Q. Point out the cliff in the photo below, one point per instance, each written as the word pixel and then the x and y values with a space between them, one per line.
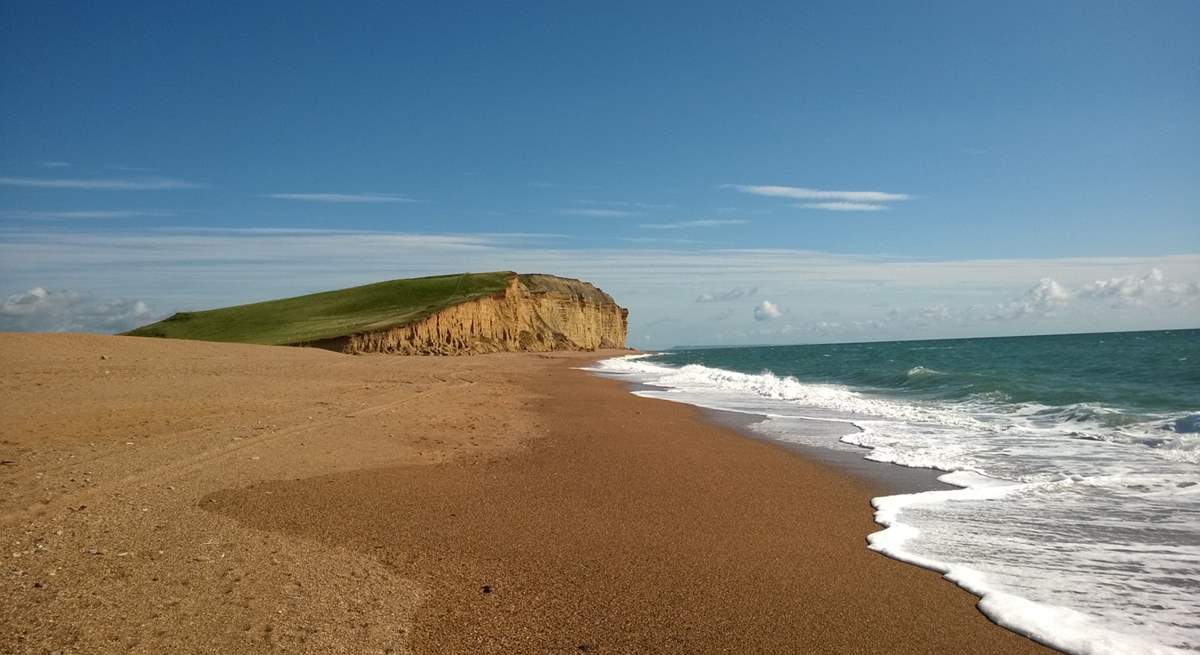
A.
pixel 536 313
pixel 442 314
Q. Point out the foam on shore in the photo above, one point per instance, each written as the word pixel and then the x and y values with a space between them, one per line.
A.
pixel 1030 528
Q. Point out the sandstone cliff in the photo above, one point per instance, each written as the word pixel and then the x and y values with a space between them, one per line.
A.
pixel 533 313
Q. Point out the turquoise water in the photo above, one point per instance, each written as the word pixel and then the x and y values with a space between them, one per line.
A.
pixel 1077 519
pixel 1141 375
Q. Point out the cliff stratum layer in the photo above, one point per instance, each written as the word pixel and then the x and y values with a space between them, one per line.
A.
pixel 536 313
pixel 442 315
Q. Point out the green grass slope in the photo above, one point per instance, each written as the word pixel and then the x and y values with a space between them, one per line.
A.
pixel 330 314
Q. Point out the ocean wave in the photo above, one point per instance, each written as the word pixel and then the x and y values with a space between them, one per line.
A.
pixel 918 371
pixel 1189 424
pixel 989 412
pixel 769 386
pixel 1057 626
pixel 1097 495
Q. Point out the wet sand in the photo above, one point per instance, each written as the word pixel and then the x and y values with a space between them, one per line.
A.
pixel 189 497
pixel 886 478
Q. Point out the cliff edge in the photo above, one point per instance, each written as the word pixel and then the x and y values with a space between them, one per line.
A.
pixel 536 313
pixel 442 315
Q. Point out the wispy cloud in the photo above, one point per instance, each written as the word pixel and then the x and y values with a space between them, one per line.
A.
pixel 27 215
pixel 54 164
pixel 625 204
pixel 531 235
pixel 313 236
pixel 685 224
pixel 341 197
pixel 600 213
pixel 845 206
pixel 736 293
pixel 649 240
pixel 802 193
pixel 660 321
pixel 109 184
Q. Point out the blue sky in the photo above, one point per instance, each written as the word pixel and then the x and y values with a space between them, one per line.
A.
pixel 870 170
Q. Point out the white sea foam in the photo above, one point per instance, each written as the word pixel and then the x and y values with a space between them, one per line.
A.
pixel 1073 530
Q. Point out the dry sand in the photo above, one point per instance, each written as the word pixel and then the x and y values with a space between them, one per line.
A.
pixel 164 496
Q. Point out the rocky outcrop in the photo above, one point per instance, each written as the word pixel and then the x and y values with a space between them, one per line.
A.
pixel 536 313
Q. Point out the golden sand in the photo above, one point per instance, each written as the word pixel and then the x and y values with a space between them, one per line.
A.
pixel 165 496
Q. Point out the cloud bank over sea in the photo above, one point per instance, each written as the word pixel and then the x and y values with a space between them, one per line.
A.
pixel 96 280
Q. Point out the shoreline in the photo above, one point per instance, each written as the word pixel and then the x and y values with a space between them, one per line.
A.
pixel 639 528
pixel 890 478
pixel 271 497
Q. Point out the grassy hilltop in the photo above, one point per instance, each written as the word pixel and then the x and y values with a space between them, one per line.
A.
pixel 329 314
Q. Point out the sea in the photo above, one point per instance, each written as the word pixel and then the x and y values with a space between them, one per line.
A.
pixel 1073 465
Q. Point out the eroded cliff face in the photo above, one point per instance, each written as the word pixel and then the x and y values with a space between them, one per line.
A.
pixel 536 313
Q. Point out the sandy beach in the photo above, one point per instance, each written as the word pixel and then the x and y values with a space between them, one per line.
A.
pixel 170 496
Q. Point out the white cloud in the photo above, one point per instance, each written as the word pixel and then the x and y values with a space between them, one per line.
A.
pixel 766 311
pixel 39 310
pixel 1139 289
pixel 132 184
pixel 1047 294
pixel 845 206
pixel 600 213
pixel 1050 300
pixel 54 164
pixel 341 197
pixel 25 215
pixel 801 193
pixel 1147 290
pixel 686 224
pixel 735 293
pixel 1040 300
